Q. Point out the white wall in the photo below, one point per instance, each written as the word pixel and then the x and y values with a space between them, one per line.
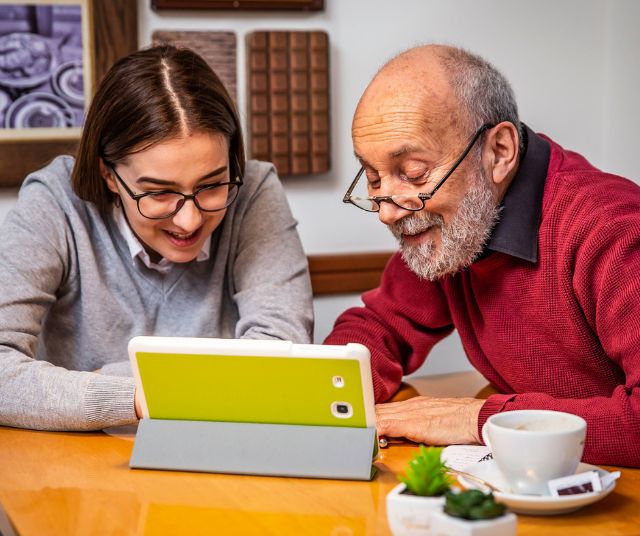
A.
pixel 573 65
pixel 620 135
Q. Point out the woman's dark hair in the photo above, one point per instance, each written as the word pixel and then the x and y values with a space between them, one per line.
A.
pixel 149 96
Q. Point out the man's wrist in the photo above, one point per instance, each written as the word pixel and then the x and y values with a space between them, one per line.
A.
pixel 473 415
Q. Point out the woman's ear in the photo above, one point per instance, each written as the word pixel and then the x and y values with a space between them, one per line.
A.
pixel 503 141
pixel 107 176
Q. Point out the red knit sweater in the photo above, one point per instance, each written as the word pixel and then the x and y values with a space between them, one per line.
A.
pixel 561 334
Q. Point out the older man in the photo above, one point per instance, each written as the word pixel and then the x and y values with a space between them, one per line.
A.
pixel 525 248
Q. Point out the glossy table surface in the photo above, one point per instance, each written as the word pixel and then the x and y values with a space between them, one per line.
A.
pixel 80 484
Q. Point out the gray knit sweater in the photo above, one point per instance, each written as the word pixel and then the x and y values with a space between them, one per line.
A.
pixel 71 297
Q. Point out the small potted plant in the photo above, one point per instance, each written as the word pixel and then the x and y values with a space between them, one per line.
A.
pixel 411 504
pixel 472 513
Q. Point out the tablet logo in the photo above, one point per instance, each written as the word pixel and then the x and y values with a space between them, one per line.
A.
pixel 342 410
pixel 338 381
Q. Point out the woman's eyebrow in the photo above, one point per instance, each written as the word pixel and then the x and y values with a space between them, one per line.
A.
pixel 162 182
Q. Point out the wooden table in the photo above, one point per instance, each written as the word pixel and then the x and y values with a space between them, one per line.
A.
pixel 80 484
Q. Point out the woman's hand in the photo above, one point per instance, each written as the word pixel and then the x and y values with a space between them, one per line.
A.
pixel 137 403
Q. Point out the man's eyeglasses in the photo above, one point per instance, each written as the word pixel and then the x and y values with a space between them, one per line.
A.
pixel 166 203
pixel 413 202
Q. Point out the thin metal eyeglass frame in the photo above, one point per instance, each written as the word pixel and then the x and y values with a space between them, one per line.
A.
pixel 185 197
pixel 422 196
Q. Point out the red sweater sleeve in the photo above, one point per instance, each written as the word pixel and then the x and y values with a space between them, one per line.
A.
pixel 606 282
pixel 400 322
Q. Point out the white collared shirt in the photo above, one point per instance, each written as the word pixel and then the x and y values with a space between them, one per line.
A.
pixel 136 249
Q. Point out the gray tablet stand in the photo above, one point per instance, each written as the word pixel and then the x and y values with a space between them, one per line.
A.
pixel 256 449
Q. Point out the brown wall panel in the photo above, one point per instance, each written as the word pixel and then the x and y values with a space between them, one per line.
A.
pixel 346 273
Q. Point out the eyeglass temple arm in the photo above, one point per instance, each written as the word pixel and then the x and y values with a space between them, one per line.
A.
pixel 347 196
pixel 133 195
pixel 485 127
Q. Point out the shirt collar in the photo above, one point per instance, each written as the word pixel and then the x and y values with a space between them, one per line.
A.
pixel 137 250
pixel 516 233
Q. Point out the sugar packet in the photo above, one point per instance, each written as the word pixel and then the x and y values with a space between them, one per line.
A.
pixel 587 482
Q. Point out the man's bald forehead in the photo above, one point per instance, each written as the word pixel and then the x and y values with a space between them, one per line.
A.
pixel 423 57
pixel 415 79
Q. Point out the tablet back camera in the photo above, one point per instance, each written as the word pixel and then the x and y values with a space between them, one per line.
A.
pixel 338 381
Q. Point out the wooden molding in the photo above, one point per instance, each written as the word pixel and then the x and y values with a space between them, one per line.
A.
pixel 346 273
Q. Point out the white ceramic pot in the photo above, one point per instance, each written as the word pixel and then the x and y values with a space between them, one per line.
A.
pixel 445 525
pixel 410 515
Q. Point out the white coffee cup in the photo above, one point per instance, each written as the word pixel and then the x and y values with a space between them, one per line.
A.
pixel 531 447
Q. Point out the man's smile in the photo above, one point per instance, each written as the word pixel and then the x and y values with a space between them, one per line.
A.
pixel 417 238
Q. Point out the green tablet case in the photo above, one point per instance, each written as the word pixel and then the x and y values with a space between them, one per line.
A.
pixel 260 389
pixel 217 406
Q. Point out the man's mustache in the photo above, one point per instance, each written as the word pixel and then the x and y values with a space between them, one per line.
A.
pixel 415 224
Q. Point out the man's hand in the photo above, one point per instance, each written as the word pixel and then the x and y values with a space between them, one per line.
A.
pixel 433 421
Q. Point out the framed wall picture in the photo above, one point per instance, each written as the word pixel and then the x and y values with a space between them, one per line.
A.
pixel 52 53
pixel 45 70
pixel 305 5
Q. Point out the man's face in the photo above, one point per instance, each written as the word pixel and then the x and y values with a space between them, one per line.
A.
pixel 403 153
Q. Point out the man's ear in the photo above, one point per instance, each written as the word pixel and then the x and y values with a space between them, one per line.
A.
pixel 503 141
pixel 107 175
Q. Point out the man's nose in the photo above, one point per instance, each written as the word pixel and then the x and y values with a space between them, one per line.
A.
pixel 189 217
pixel 390 212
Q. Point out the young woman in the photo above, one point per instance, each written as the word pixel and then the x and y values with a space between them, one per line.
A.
pixel 158 228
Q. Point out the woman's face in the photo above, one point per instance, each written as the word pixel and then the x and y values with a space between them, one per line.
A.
pixel 182 164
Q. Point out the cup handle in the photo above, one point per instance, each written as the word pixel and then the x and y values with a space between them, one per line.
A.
pixel 485 435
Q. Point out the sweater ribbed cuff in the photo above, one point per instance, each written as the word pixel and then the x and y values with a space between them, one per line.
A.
pixel 109 401
pixel 494 404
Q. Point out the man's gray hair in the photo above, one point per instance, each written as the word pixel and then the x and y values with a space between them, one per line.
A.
pixel 482 90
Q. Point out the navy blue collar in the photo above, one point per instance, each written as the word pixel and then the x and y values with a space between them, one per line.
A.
pixel 516 233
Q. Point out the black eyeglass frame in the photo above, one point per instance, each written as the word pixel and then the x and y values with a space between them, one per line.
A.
pixel 424 197
pixel 185 197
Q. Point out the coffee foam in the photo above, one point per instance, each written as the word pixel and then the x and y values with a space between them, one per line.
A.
pixel 542 425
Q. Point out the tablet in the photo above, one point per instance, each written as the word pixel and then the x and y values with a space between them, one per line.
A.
pixel 267 381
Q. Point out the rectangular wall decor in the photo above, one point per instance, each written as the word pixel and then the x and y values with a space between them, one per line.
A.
pixel 217 48
pixel 305 5
pixel 53 53
pixel 288 100
pixel 45 69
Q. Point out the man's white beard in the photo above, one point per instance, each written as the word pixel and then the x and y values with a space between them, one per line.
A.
pixel 462 240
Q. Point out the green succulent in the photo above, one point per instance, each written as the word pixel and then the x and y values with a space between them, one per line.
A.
pixel 472 504
pixel 426 474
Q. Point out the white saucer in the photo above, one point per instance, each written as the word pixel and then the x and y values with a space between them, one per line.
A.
pixel 536 505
